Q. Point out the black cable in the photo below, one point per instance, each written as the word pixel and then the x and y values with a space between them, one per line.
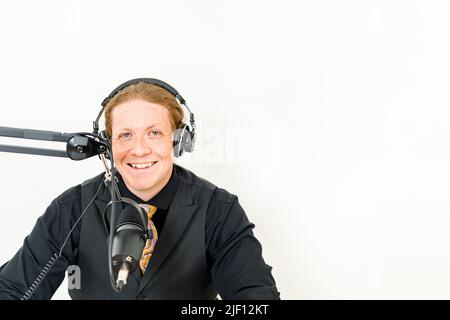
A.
pixel 32 289
pixel 81 216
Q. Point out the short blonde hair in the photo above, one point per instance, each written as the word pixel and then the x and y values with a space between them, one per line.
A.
pixel 150 93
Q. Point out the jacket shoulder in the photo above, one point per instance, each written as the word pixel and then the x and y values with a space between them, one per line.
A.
pixel 93 180
pixel 190 178
pixel 74 193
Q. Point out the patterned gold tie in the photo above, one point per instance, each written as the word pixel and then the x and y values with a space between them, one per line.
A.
pixel 150 244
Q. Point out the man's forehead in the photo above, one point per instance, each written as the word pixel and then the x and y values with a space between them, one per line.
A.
pixel 140 123
pixel 133 113
pixel 140 106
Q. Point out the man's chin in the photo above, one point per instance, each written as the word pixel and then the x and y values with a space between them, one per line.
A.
pixel 143 187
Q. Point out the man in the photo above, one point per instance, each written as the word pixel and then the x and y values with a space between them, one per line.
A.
pixel 203 243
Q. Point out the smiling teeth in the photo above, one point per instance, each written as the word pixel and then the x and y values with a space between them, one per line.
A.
pixel 142 165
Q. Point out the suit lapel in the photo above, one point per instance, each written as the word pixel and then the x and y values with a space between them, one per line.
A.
pixel 105 216
pixel 178 216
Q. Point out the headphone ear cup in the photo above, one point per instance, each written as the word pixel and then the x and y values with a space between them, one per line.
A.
pixel 190 140
pixel 178 147
pixel 183 140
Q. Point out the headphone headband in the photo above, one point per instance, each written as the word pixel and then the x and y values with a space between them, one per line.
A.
pixel 156 82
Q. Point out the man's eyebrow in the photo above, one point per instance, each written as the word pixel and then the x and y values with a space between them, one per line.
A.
pixel 149 127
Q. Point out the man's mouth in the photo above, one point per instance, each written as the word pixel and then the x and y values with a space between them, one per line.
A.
pixel 142 165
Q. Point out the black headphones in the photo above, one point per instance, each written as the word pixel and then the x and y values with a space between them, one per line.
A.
pixel 184 137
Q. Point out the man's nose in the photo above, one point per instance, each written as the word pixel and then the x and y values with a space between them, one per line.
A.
pixel 141 147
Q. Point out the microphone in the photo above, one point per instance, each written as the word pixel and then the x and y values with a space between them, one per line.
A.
pixel 129 239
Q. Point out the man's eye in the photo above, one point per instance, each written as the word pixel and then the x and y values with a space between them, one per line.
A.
pixel 155 133
pixel 125 135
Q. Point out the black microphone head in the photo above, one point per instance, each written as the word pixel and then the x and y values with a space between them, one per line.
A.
pixel 130 215
pixel 128 238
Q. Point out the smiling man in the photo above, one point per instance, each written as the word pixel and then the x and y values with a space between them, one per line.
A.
pixel 203 242
pixel 142 145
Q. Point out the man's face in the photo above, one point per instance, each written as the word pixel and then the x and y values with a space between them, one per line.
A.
pixel 142 146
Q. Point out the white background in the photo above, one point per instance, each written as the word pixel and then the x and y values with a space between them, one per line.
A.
pixel 329 120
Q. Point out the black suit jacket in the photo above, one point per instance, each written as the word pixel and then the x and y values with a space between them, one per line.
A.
pixel 196 257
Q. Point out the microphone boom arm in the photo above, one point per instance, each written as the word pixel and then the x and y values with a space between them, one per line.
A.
pixel 79 146
pixel 35 151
